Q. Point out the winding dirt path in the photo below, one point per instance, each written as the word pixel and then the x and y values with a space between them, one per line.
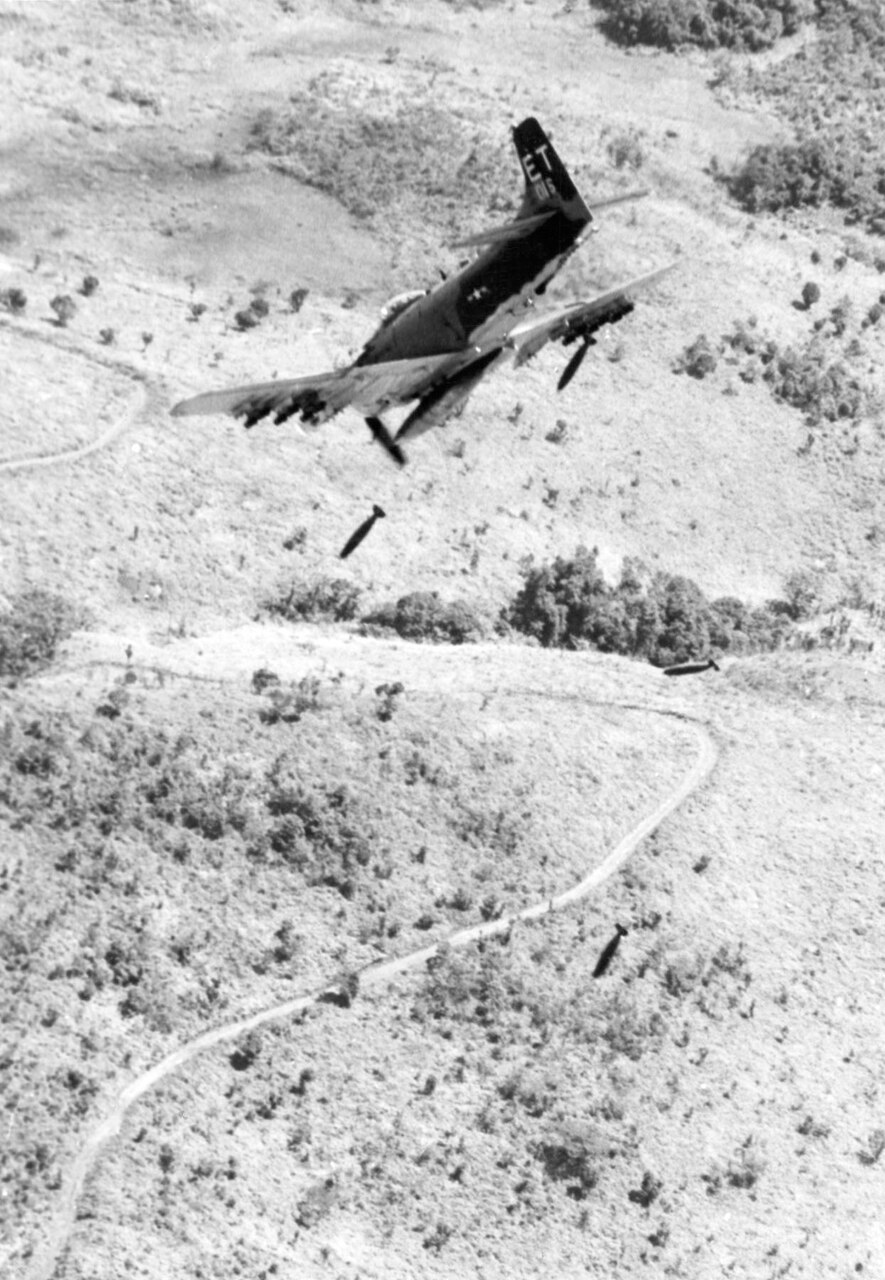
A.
pixel 116 429
pixel 372 976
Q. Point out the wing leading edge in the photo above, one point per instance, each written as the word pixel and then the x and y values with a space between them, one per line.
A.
pixel 370 388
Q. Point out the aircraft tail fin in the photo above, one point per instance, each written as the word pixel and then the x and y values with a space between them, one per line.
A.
pixel 548 186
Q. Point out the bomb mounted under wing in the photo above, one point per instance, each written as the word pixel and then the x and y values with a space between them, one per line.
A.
pixel 434 346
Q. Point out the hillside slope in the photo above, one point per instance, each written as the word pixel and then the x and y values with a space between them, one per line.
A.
pixel 204 814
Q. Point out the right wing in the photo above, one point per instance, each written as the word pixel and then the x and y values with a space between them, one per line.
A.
pixel 370 388
pixel 579 319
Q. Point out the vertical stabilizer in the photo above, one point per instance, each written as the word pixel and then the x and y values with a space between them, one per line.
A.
pixel 548 186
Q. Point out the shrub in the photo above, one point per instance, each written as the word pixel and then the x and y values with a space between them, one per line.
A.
pixel 387 695
pixel 263 678
pixel 698 359
pixel 808 376
pixel 810 294
pixel 31 629
pixel 557 602
pixel 334 598
pixel 624 149
pixel 802 595
pixel 680 621
pixel 647 1192
pixel 289 703
pixel 571 1154
pixel 711 24
pixel 319 832
pixel 423 616
pixel 14 300
pixel 871 1152
pixel 824 389
pixel 483 988
pixel 65 309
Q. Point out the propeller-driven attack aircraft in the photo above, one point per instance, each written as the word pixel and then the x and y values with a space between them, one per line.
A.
pixel 434 346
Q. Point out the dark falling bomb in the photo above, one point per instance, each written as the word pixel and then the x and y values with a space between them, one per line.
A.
pixel 358 534
pixel 608 952
pixel 690 668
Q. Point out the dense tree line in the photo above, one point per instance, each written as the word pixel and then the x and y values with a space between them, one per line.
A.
pixel 663 617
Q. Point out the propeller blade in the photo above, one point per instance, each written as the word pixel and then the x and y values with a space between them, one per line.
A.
pixel 574 364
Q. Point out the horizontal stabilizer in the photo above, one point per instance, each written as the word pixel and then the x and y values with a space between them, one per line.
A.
pixel 622 199
pixel 497 235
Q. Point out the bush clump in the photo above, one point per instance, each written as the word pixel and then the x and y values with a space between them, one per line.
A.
pixel 421 615
pixel 330 598
pixel 571 1154
pixel 819 170
pixel 65 309
pixel 31 628
pixel 832 93
pixel 806 376
pixel 698 359
pixel 319 832
pixel 14 300
pixel 665 618
pixel 710 24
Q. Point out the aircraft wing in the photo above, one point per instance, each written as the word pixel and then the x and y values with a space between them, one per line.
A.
pixel 369 388
pixel 579 319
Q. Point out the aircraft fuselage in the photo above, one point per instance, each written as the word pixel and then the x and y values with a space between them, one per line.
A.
pixel 474 310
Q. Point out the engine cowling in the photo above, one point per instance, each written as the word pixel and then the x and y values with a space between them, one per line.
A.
pixel 398 304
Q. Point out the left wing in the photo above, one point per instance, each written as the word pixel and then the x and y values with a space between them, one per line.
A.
pixel 580 319
pixel 370 388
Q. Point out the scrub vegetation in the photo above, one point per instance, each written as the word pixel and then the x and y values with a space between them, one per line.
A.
pixel 258 832
pixel 384 157
pixel 828 375
pixel 832 94
pixel 32 625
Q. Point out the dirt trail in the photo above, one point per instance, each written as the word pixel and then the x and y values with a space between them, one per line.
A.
pixel 134 411
pixel 372 976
